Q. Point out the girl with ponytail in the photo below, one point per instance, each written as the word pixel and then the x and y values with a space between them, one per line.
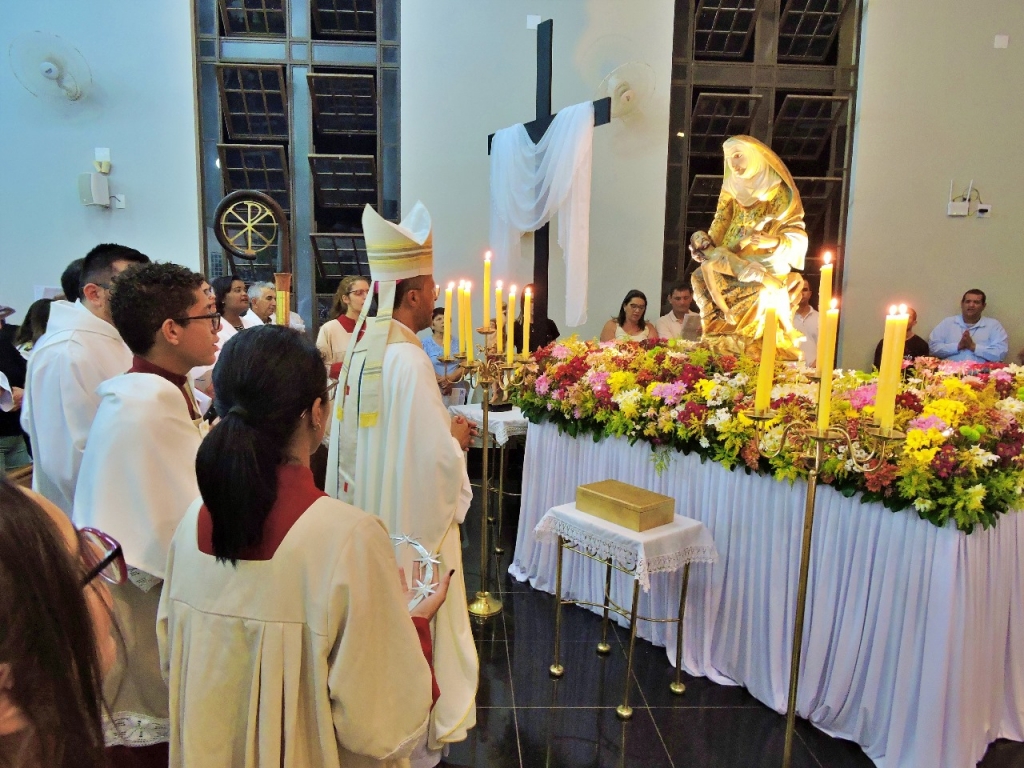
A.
pixel 283 616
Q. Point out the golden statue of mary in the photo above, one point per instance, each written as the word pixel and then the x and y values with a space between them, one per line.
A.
pixel 747 255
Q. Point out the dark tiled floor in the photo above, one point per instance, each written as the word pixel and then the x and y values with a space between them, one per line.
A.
pixel 526 719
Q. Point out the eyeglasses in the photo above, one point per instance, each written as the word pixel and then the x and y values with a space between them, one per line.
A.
pixel 331 390
pixel 360 292
pixel 214 319
pixel 102 556
pixel 639 307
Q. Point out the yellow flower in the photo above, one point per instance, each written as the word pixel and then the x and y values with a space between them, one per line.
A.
pixel 621 380
pixel 948 410
pixel 924 456
pixel 973 497
pixel 704 387
pixel 956 387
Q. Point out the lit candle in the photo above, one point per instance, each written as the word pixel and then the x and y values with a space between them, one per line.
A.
pixel 469 323
pixel 527 319
pixel 487 289
pixel 448 320
pixel 461 321
pixel 881 395
pixel 824 293
pixel 499 318
pixel 766 371
pixel 510 347
pixel 826 360
pixel 885 400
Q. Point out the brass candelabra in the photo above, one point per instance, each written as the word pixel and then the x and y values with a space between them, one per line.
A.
pixel 491 371
pixel 809 443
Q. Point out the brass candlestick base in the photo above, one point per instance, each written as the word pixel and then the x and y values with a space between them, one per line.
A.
pixel 485 605
pixel 810 442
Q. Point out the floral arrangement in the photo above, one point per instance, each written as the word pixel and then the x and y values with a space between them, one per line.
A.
pixel 962 459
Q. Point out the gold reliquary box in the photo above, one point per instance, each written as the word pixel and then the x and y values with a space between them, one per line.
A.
pixel 635 508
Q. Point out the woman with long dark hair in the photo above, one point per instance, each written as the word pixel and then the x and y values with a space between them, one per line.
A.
pixel 55 634
pixel 631 323
pixel 33 327
pixel 334 336
pixel 282 617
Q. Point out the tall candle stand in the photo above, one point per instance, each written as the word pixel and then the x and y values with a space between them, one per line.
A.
pixel 489 370
pixel 809 442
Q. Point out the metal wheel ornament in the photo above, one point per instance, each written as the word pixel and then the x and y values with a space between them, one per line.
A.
pixel 247 223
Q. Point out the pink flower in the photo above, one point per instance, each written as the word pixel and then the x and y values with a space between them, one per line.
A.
pixel 927 422
pixel 672 393
pixel 561 352
pixel 862 396
pixel 542 385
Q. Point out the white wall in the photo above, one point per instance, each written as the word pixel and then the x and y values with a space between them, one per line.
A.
pixel 469 68
pixel 937 102
pixel 141 106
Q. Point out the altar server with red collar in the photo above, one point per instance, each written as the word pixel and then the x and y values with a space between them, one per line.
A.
pixel 79 351
pixel 395 451
pixel 138 475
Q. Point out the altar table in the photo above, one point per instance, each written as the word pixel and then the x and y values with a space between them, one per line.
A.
pixel 914 634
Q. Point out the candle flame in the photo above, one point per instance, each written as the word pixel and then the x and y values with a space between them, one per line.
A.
pixel 451 285
pixel 512 288
pixel 462 284
pixel 498 284
pixel 487 256
pixel 892 309
pixel 834 304
pixel 828 257
pixel 528 292
pixel 468 284
pixel 903 309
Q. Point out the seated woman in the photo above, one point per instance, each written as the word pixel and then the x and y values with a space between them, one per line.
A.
pixel 55 634
pixel 631 324
pixel 334 335
pixel 432 345
pixel 284 632
pixel 517 328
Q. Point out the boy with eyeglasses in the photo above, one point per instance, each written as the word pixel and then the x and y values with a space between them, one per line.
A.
pixel 138 478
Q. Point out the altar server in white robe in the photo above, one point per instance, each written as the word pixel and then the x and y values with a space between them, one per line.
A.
pixel 79 351
pixel 284 634
pixel 396 453
pixel 138 474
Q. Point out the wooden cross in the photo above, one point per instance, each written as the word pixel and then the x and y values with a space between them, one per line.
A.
pixel 536 130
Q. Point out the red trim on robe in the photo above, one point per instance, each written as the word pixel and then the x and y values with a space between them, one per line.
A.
pixel 142 365
pixel 427 645
pixel 296 493
pixel 349 325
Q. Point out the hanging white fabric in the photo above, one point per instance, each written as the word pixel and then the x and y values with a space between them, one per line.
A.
pixel 530 182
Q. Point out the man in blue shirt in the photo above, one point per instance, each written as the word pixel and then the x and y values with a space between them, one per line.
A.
pixel 969 336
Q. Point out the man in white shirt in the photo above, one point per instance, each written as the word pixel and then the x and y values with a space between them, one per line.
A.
pixel 79 351
pixel 805 320
pixel 670 326
pixel 969 336
pixel 263 303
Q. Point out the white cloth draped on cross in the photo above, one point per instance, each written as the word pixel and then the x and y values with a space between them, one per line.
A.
pixel 531 182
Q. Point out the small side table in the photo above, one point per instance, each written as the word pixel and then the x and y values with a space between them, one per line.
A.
pixel 666 548
pixel 504 426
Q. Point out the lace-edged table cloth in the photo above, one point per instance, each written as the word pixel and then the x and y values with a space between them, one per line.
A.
pixel 664 549
pixel 501 424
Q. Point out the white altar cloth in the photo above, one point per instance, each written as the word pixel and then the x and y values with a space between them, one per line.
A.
pixel 914 634
pixel 663 549
pixel 501 424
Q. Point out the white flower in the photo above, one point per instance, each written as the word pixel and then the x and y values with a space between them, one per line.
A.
pixel 719 417
pixel 923 505
pixel 704 442
pixel 979 457
pixel 1012 406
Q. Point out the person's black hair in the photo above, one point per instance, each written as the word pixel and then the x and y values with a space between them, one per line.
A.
pixel 633 294
pixel 680 285
pixel 265 380
pixel 409 284
pixel 976 292
pixel 70 280
pixel 34 326
pixel 222 287
pixel 47 635
pixel 437 311
pixel 97 266
pixel 146 295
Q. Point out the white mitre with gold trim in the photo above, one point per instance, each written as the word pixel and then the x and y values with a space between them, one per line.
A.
pixel 395 252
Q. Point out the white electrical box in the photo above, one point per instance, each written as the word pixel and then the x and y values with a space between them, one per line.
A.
pixel 94 189
pixel 958 208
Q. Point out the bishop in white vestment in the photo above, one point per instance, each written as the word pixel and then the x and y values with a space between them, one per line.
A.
pixel 392 454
